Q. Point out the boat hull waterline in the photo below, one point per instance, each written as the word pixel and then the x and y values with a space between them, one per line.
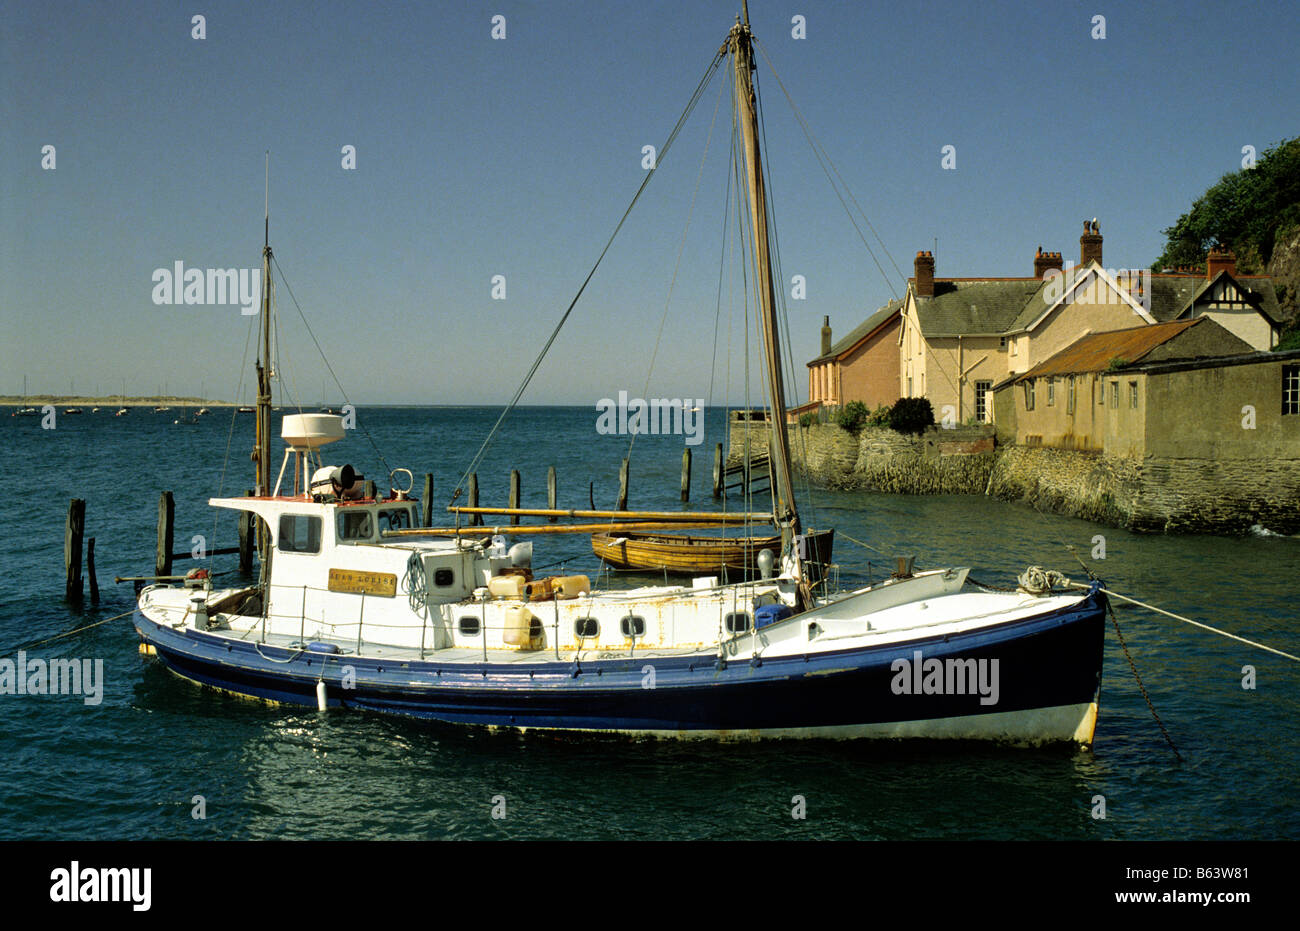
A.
pixel 1049 667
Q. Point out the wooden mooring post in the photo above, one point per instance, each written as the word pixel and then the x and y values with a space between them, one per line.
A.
pixel 514 494
pixel 90 570
pixel 245 531
pixel 552 491
pixel 166 529
pixel 717 471
pixel 426 502
pixel 686 474
pixel 622 486
pixel 477 519
pixel 72 535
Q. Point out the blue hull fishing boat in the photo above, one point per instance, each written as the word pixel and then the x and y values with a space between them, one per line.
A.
pixel 359 606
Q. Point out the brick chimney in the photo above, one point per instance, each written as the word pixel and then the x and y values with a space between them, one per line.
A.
pixel 1220 259
pixel 924 267
pixel 1090 242
pixel 826 336
pixel 1045 261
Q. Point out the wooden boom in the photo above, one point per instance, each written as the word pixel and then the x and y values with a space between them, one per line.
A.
pixel 713 517
pixel 553 528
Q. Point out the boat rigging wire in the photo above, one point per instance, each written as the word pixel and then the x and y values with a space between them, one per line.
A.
pixel 328 367
pixel 532 370
pixel 824 159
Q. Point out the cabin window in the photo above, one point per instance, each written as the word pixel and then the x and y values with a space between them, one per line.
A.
pixel 633 625
pixel 1051 392
pixel 585 627
pixel 736 622
pixel 355 525
pixel 1291 389
pixel 443 577
pixel 469 626
pixel 394 519
pixel 299 533
pixel 1069 395
pixel 1133 395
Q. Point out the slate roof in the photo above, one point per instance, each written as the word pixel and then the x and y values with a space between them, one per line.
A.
pixel 1173 295
pixel 1000 306
pixel 861 331
pixel 976 306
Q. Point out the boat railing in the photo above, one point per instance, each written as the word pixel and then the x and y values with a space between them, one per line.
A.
pixel 741 595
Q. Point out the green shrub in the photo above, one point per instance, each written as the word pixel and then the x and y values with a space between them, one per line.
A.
pixel 911 415
pixel 880 416
pixel 807 419
pixel 1118 362
pixel 852 416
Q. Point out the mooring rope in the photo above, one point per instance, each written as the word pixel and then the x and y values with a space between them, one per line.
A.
pixel 1188 620
pixel 69 633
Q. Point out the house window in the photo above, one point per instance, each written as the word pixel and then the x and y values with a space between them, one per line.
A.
pixel 1133 395
pixel 1002 343
pixel 299 533
pixel 909 386
pixel 982 400
pixel 1051 392
pixel 1029 395
pixel 1291 389
pixel 1114 395
pixel 1069 395
pixel 1013 347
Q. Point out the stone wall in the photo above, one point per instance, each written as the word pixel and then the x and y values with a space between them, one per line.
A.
pixel 1164 494
pixel 955 461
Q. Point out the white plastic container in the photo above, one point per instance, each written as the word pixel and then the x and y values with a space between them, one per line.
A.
pixel 507 586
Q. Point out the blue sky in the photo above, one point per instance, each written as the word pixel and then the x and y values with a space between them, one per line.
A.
pixel 479 157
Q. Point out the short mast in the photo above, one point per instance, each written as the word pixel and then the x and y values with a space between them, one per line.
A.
pixel 262 450
pixel 740 42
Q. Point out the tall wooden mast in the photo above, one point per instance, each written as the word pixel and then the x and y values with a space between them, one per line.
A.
pixel 740 42
pixel 262 449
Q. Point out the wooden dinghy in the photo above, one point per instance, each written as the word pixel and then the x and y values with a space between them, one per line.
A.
pixel 696 555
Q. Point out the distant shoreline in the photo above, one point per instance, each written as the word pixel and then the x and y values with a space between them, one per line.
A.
pixel 35 400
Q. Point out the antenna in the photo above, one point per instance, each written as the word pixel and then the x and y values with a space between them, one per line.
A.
pixel 268 197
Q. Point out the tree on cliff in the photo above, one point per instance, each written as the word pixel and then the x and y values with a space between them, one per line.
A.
pixel 1248 211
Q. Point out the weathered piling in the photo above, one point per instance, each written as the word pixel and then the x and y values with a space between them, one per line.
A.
pixel 552 491
pixel 72 535
pixel 426 502
pixel 514 494
pixel 717 471
pixel 245 530
pixel 477 519
pixel 686 475
pixel 622 485
pixel 90 570
pixel 166 529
